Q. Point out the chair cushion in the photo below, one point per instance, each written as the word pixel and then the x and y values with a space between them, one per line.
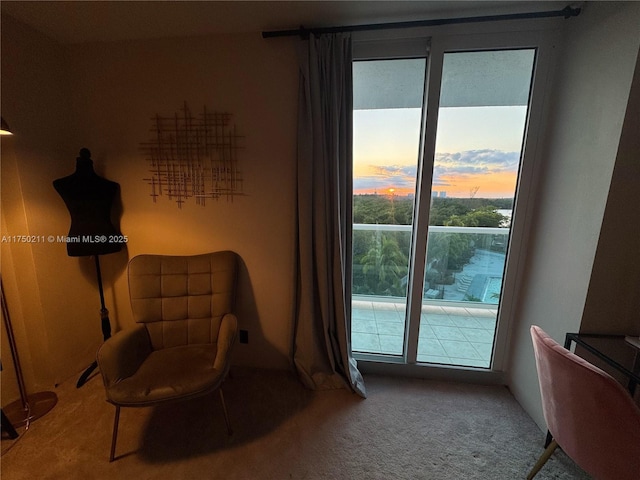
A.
pixel 182 299
pixel 169 374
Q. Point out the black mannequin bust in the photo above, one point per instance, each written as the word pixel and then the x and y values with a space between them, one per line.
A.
pixel 89 199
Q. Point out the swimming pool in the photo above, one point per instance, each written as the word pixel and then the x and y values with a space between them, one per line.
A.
pixel 492 290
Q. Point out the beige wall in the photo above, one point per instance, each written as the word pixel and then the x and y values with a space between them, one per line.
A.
pixel 585 119
pixel 119 87
pixel 102 96
pixel 613 298
pixel 34 103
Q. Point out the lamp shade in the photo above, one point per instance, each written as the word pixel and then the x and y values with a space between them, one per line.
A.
pixel 4 128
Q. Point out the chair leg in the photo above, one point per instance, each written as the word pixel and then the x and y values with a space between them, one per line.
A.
pixel 115 434
pixel 543 459
pixel 226 414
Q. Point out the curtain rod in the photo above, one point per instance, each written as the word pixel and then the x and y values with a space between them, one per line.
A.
pixel 566 12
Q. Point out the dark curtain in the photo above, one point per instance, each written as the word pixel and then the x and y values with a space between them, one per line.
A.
pixel 322 350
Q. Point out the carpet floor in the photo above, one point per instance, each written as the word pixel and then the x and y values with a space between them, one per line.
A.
pixel 405 429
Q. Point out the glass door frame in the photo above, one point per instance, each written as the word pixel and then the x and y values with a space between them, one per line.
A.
pixel 542 42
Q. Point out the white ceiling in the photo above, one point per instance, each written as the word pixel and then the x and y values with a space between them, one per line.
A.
pixel 71 22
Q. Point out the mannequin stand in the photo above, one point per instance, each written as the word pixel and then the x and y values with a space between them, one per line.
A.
pixel 106 325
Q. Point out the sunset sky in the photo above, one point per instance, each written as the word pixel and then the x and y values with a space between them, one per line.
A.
pixel 475 147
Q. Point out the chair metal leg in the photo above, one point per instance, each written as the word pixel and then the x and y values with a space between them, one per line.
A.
pixel 543 459
pixel 226 414
pixel 115 434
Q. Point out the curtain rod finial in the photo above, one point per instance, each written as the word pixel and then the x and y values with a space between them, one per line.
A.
pixel 570 11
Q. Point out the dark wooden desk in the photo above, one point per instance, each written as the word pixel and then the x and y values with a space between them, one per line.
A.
pixel 614 350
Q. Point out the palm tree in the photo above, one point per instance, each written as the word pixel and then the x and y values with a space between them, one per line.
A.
pixel 384 266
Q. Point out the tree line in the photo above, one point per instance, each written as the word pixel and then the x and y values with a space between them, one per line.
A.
pixel 396 210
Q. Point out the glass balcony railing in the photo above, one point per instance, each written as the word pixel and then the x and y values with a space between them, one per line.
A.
pixel 464 264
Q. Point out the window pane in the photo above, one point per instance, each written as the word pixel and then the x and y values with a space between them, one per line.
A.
pixel 386 124
pixel 481 123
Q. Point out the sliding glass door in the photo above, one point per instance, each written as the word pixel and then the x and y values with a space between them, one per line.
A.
pixel 388 98
pixel 438 149
pixel 481 123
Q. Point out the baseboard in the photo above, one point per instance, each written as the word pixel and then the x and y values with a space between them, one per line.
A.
pixel 435 372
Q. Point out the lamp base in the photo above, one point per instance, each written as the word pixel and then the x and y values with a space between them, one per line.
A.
pixel 38 405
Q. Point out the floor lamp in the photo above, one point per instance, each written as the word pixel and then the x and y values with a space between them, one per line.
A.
pixel 29 407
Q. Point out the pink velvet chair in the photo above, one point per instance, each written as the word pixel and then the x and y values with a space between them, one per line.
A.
pixel 590 415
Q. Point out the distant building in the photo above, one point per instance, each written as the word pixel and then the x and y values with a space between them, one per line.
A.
pixel 443 194
pixel 434 193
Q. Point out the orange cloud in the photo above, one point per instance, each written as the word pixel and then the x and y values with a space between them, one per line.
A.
pixel 458 174
pixel 492 185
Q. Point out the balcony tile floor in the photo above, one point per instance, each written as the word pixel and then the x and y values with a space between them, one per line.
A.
pixel 448 335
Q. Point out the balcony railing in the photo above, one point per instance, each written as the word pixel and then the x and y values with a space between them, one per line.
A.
pixel 464 264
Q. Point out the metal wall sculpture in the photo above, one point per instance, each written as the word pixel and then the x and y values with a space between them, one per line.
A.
pixel 193 157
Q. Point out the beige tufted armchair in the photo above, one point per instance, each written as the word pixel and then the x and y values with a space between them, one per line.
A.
pixel 186 329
